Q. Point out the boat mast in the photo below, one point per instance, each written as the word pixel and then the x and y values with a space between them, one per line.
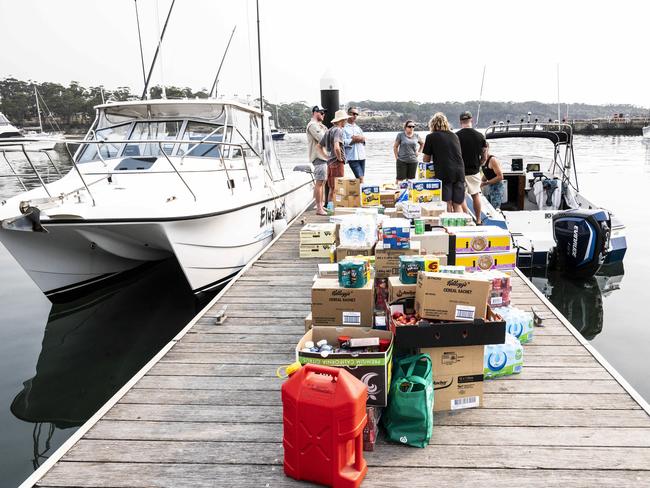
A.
pixel 137 20
pixel 38 110
pixel 223 58
pixel 480 97
pixel 259 66
pixel 155 56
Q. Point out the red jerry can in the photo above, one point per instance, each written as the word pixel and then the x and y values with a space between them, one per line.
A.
pixel 324 413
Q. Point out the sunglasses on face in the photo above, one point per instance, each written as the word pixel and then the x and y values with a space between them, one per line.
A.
pixel 354 115
pixel 410 127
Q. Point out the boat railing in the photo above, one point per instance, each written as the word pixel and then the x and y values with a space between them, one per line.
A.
pixel 21 145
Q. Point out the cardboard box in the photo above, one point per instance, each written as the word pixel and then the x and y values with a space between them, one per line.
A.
pixel 332 305
pixel 340 210
pixel 328 270
pixel 345 251
pixel 348 186
pixel 398 290
pixel 387 260
pixel 373 368
pixel 396 233
pixel 349 201
pixel 433 241
pixel 421 191
pixel 503 261
pixel 442 296
pixel 314 233
pixel 433 209
pixel 426 170
pixel 308 322
pixel 411 210
pixel 315 250
pixel 369 195
pixel 481 239
pixel 457 377
pixel 387 198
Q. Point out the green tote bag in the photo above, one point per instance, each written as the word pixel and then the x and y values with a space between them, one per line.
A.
pixel 408 419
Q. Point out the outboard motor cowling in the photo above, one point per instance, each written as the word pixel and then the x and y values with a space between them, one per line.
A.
pixel 581 241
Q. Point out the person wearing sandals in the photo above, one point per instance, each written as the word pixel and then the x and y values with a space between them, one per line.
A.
pixel 491 183
pixel 332 143
pixel 407 146
pixel 315 132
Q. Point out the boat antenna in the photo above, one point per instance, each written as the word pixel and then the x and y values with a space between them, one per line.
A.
pixel 559 116
pixel 480 97
pixel 137 20
pixel 259 68
pixel 101 92
pixel 155 56
pixel 223 58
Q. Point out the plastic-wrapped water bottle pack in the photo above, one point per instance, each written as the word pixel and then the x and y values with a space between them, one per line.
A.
pixel 519 323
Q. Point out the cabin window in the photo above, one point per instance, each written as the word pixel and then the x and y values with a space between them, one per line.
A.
pixel 205 135
pixel 91 152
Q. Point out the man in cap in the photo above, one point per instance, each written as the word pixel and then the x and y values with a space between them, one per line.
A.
pixel 315 132
pixel 332 142
pixel 355 144
pixel 472 145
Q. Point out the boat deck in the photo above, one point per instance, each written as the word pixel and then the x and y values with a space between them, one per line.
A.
pixel 206 411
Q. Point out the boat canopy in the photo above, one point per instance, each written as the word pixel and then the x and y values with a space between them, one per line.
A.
pixel 208 109
pixel 554 132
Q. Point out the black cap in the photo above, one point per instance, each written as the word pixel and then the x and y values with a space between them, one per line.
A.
pixel 466 115
pixel 317 108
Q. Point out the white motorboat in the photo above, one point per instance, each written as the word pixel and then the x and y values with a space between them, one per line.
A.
pixel 540 191
pixel 194 179
pixel 646 132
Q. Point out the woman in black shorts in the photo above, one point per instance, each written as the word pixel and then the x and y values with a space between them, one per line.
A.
pixel 443 148
pixel 407 146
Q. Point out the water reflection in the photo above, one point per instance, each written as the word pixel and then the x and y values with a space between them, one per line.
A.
pixel 581 301
pixel 92 346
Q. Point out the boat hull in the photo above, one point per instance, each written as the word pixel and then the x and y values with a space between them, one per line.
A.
pixel 209 248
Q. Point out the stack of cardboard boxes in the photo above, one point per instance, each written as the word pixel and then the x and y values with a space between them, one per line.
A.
pixel 483 248
pixel 348 193
pixel 316 240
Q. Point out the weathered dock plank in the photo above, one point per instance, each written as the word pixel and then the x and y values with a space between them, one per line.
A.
pixel 207 412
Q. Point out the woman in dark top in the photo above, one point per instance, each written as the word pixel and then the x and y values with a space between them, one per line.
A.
pixel 492 177
pixel 443 148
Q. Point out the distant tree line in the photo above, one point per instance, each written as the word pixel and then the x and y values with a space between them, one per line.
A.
pixel 72 107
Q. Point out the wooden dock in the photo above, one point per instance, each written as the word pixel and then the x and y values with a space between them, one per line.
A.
pixel 206 411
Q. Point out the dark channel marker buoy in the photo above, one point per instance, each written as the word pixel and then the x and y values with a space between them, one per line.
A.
pixel 329 96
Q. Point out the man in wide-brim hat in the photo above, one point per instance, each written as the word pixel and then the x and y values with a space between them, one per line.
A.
pixel 332 143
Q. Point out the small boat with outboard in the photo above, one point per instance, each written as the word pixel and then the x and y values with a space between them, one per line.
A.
pixel 551 222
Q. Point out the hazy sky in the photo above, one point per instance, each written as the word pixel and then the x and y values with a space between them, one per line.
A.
pixel 417 50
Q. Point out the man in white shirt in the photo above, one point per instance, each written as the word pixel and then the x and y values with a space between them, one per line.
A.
pixel 315 132
pixel 355 145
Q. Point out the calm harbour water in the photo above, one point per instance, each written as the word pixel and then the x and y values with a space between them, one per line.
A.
pixel 60 363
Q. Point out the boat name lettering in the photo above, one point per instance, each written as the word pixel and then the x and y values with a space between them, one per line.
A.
pixel 268 215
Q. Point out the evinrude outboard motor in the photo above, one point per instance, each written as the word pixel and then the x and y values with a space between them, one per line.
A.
pixel 581 241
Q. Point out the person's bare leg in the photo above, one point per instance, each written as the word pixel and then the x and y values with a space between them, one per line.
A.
pixel 464 207
pixel 457 207
pixel 450 206
pixel 476 200
pixel 318 196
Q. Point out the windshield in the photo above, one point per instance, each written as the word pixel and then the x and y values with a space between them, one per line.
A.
pixel 158 131
pixel 91 152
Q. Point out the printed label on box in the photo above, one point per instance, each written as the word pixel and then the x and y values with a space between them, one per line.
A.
pixel 496 300
pixel 465 312
pixel 467 402
pixel 351 318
